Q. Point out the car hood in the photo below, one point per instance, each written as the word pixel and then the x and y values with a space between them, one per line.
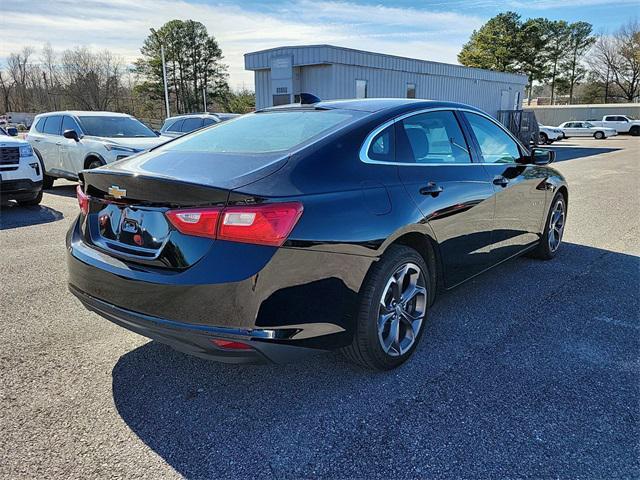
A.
pixel 6 141
pixel 140 143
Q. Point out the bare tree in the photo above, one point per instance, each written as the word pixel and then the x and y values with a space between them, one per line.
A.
pixel 616 59
pixel 91 79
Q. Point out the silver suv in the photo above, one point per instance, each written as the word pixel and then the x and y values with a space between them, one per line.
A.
pixel 69 142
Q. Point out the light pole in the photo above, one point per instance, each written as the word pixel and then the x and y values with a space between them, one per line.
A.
pixel 164 80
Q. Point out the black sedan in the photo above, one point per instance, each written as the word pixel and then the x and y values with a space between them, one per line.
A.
pixel 310 227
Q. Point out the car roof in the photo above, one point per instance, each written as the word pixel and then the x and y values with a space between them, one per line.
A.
pixel 372 105
pixel 192 115
pixel 84 113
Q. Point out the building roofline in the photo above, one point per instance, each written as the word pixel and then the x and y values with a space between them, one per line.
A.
pixel 521 78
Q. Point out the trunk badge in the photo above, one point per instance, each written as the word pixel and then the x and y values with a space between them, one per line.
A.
pixel 117 192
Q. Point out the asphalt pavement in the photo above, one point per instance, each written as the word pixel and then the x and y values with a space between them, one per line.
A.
pixel 528 371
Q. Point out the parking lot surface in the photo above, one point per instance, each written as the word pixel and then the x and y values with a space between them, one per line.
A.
pixel 530 370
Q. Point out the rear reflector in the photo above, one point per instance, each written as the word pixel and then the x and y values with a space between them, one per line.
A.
pixel 230 345
pixel 83 200
pixel 268 224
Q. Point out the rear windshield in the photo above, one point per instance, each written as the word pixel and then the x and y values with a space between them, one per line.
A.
pixel 117 127
pixel 263 132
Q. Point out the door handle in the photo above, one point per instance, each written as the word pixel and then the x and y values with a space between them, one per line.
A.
pixel 37 140
pixel 58 143
pixel 431 188
pixel 500 180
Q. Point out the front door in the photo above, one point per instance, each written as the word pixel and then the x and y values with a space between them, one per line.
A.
pixel 520 189
pixel 454 194
pixel 71 152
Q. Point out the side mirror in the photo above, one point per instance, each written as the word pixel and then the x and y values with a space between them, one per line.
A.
pixel 541 156
pixel 71 135
pixel 157 132
pixel 12 131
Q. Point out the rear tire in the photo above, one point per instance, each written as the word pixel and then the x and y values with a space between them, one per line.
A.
pixel 394 301
pixel 34 201
pixel 599 135
pixel 553 230
pixel 543 138
pixel 635 131
pixel 47 181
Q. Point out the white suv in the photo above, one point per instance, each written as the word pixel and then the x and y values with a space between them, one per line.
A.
pixel 20 171
pixel 69 142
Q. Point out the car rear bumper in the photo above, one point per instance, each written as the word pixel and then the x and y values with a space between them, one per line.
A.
pixel 198 339
pixel 292 299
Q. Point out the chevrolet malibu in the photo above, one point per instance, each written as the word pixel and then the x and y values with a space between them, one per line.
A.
pixel 329 225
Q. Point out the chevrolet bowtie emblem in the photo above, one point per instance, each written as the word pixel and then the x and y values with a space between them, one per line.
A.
pixel 117 192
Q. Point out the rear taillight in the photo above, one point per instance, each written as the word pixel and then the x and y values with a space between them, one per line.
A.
pixel 201 222
pixel 268 224
pixel 83 200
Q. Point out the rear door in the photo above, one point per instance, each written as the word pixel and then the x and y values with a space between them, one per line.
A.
pixel 48 146
pixel 454 194
pixel 520 190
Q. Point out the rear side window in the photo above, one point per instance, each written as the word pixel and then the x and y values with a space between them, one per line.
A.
pixel 190 124
pixel 175 126
pixel 52 127
pixel 382 147
pixel 496 145
pixel 264 132
pixel 208 121
pixel 39 125
pixel 432 137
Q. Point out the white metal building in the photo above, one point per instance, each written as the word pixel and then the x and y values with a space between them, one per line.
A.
pixel 331 72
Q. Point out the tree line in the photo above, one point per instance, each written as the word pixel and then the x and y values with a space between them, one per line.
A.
pixel 560 58
pixel 83 79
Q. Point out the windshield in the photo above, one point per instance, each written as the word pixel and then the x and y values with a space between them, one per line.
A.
pixel 263 132
pixel 119 127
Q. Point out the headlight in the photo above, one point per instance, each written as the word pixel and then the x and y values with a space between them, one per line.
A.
pixel 26 151
pixel 120 148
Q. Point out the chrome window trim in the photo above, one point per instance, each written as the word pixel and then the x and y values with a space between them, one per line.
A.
pixel 364 149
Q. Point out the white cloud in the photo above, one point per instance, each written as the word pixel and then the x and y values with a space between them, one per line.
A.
pixel 121 26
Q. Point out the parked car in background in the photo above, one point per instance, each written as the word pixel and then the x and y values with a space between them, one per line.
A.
pixel 310 227
pixel 620 123
pixel 69 142
pixel 183 124
pixel 586 129
pixel 548 135
pixel 20 171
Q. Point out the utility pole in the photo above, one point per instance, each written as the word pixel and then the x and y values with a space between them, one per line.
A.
pixel 164 79
pixel 204 98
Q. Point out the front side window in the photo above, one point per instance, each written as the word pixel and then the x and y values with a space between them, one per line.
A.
pixel 432 137
pixel 69 123
pixel 208 121
pixel 496 146
pixel 191 124
pixel 361 89
pixel 265 132
pixel 53 124
pixel 115 127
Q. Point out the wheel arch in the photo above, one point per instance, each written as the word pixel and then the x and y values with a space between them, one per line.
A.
pixel 429 250
pixel 91 157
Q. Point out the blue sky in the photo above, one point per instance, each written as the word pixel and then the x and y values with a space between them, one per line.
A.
pixel 431 30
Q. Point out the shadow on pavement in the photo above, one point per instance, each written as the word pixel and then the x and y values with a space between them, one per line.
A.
pixel 13 215
pixel 66 190
pixel 524 371
pixel 568 152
